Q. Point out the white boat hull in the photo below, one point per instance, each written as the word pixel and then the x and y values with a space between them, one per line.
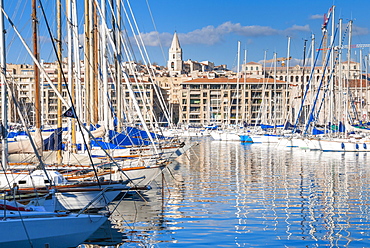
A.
pixel 47 231
pixel 227 136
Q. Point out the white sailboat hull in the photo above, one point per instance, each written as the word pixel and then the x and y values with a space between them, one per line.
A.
pixel 344 145
pixel 227 136
pixel 265 138
pixel 47 231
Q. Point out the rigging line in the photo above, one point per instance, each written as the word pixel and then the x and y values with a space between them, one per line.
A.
pixel 155 28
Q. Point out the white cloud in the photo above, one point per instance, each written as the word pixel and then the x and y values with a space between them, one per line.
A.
pixel 305 28
pixel 317 16
pixel 211 35
pixel 356 30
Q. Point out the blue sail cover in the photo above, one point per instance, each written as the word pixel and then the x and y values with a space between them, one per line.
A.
pixel 105 145
pixel 137 133
pixel 13 134
pixel 342 128
pixel 54 142
pixel 316 131
pixel 288 126
pixel 121 139
pixel 263 126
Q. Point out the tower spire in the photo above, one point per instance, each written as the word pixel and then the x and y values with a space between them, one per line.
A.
pixel 175 57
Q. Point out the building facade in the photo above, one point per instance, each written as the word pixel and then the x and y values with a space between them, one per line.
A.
pixel 233 101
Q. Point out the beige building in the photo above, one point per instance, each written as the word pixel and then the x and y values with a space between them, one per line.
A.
pixel 21 78
pixel 231 101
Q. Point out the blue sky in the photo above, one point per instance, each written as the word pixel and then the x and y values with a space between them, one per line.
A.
pixel 210 30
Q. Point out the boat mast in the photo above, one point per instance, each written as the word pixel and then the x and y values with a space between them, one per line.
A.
pixel 287 104
pixel 94 61
pixel 274 98
pixel 117 66
pixel 104 72
pixel 245 116
pixel 348 71
pixel 60 68
pixel 331 103
pixel 340 76
pixel 71 75
pixel 36 75
pixel 237 87
pixel 87 63
pixel 4 97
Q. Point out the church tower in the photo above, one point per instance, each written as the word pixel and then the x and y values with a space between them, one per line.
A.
pixel 175 57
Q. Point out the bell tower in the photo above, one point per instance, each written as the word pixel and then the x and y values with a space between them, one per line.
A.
pixel 175 57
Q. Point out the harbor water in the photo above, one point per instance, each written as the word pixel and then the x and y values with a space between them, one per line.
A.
pixel 233 194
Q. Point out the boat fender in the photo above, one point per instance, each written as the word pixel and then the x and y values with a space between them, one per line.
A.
pixel 357 146
pixel 365 146
pixel 342 145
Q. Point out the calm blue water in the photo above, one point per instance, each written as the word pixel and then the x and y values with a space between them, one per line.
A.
pixel 229 194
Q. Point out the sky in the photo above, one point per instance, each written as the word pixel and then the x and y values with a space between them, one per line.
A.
pixel 210 30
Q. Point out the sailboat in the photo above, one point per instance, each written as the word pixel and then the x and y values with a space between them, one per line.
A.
pixel 32 226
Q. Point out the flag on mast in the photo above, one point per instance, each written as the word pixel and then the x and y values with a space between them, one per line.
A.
pixel 70 113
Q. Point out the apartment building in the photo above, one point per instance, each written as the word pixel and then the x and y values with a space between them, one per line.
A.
pixel 21 80
pixel 219 101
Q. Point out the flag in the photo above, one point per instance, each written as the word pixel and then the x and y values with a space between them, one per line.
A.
pixel 70 113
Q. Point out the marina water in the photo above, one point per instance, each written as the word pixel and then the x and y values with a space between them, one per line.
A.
pixel 232 194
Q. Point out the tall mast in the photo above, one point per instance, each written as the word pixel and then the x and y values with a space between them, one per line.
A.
pixel 104 72
pixel 60 68
pixel 340 75
pixel 312 83
pixel 332 89
pixel 71 76
pixel 118 68
pixel 87 63
pixel 244 86
pixel 36 73
pixel 348 71
pixel 4 97
pixel 287 108
pixel 237 86
pixel 94 61
pixel 274 99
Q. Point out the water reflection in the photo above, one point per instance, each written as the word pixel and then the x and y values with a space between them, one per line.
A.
pixel 233 194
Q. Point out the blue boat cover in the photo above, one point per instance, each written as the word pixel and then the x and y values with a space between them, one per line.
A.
pixel 105 145
pixel 121 139
pixel 137 133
